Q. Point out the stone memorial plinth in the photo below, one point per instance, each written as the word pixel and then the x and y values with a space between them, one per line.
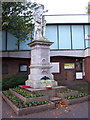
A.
pixel 40 65
pixel 40 73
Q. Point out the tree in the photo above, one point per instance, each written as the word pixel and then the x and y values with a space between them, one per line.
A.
pixel 88 9
pixel 0 16
pixel 17 18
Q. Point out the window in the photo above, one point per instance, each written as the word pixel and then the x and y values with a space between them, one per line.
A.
pixel 23 45
pixel 11 42
pixel 77 37
pixel 64 37
pixel 4 69
pixel 79 65
pixel 87 36
pixel 51 35
pixel 55 68
pixel 3 40
pixel 23 68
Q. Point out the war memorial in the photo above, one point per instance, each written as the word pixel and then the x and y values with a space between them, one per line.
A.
pixel 40 92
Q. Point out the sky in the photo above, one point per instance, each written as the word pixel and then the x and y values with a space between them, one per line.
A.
pixel 64 6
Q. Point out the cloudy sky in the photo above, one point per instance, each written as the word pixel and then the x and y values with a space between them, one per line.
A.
pixel 64 6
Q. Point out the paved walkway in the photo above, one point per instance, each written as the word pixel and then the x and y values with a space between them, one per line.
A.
pixel 73 111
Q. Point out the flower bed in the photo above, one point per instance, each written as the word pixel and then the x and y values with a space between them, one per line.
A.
pixel 34 97
pixel 66 92
pixel 76 98
pixel 21 107
pixel 26 94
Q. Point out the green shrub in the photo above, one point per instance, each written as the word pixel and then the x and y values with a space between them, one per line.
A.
pixel 14 81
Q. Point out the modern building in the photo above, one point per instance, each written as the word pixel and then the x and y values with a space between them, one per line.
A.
pixel 70 52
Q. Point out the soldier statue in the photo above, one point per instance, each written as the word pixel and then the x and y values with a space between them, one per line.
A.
pixel 40 22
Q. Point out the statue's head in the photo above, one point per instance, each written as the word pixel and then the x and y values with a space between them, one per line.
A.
pixel 38 12
pixel 40 6
pixel 39 9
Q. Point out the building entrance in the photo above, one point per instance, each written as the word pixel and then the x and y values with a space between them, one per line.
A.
pixel 70 75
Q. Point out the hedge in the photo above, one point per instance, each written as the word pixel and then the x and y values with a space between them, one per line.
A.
pixel 13 81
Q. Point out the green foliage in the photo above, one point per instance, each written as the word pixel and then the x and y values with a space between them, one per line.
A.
pixel 21 104
pixel 17 18
pixel 66 90
pixel 88 8
pixel 26 94
pixel 81 94
pixel 13 81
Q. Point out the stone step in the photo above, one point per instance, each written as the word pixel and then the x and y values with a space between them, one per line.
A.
pixel 54 99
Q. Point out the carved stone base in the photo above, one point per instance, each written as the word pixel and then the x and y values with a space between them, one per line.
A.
pixel 40 83
pixel 40 68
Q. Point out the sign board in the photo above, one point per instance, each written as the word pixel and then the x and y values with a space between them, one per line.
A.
pixel 23 68
pixel 79 75
pixel 87 36
pixel 83 73
pixel 69 66
pixel 55 67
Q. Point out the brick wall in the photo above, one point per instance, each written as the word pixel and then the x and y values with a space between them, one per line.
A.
pixel 87 69
pixel 66 74
pixel 13 65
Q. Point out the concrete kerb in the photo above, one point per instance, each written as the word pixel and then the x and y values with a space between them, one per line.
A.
pixel 63 95
pixel 15 109
pixel 76 100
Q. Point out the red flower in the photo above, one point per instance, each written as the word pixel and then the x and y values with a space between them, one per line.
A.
pixel 25 86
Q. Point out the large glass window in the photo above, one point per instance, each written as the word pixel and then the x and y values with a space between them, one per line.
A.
pixel 87 36
pixel 11 42
pixel 51 34
pixel 23 45
pixel 77 37
pixel 3 40
pixel 64 37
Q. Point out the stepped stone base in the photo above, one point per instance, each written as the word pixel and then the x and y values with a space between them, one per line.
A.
pixel 50 92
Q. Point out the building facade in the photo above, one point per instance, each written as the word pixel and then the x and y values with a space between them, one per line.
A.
pixel 70 52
